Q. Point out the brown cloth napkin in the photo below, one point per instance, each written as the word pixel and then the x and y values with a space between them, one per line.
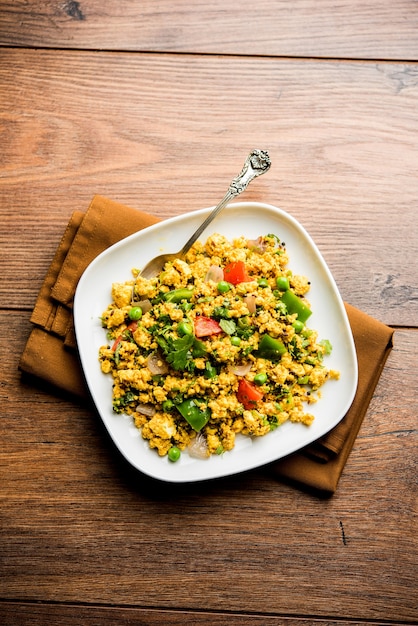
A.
pixel 51 353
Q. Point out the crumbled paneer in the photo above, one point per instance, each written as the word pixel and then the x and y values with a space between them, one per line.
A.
pixel 122 294
pixel 212 348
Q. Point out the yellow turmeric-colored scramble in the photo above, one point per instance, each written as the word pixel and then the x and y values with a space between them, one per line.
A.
pixel 217 344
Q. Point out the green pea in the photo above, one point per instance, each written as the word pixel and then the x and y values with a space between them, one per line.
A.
pixel 223 286
pixel 298 326
pixel 282 283
pixel 263 283
pixel 236 341
pixel 174 454
pixel 135 313
pixel 185 328
pixel 167 405
pixel 260 379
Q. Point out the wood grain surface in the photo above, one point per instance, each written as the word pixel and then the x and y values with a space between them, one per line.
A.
pixel 156 105
pixel 362 29
pixel 129 127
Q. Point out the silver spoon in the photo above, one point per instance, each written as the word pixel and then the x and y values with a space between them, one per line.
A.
pixel 257 162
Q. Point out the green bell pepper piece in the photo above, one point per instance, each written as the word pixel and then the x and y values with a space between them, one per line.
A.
pixel 270 348
pixel 195 413
pixel 295 305
pixel 177 295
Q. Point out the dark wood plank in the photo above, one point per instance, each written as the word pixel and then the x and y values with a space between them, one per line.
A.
pixel 167 133
pixel 20 614
pixel 363 29
pixel 79 526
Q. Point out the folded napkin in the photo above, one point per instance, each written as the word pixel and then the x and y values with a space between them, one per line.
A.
pixel 51 352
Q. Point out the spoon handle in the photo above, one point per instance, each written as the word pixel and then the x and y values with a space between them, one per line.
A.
pixel 257 162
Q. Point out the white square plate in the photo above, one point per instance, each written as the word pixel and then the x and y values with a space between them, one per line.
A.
pixel 329 318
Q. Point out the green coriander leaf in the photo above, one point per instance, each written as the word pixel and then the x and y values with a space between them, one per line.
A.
pixel 178 354
pixel 326 344
pixel 228 326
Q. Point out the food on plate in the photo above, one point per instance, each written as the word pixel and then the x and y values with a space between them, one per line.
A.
pixel 216 345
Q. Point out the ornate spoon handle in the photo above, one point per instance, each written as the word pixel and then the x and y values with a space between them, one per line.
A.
pixel 257 163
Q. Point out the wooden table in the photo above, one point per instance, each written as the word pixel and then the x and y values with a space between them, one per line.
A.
pixel 155 105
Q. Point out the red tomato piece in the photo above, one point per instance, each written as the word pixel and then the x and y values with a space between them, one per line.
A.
pixel 116 343
pixel 248 394
pixel 236 272
pixel 205 326
pixel 132 327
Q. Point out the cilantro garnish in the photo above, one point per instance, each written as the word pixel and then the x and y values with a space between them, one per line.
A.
pixel 326 345
pixel 178 351
pixel 221 312
pixel 228 326
pixel 123 401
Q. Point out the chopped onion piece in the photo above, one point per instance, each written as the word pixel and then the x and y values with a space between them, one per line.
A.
pixel 198 447
pixel 145 305
pixel 156 364
pixel 146 409
pixel 250 303
pixel 214 273
pixel 240 370
pixel 257 245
